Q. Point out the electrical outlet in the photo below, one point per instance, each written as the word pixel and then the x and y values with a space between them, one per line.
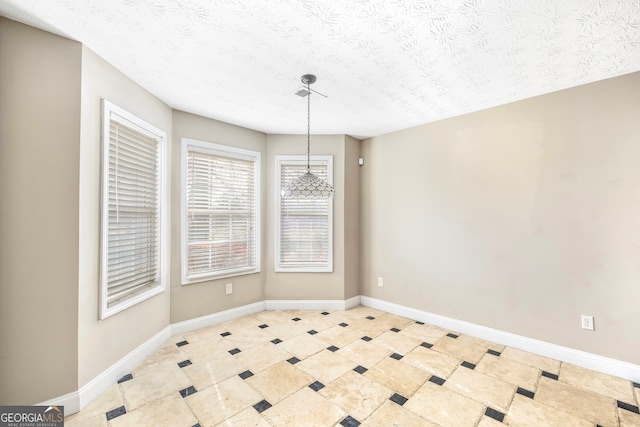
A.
pixel 380 282
pixel 229 288
pixel 587 322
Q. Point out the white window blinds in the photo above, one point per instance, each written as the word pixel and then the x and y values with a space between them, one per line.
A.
pixel 305 225
pixel 221 210
pixel 131 258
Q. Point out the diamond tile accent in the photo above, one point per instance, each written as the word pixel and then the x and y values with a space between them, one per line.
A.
pixel 396 356
pixel 370 317
pixel 525 392
pixel 125 378
pixel 196 425
pixel 636 385
pixel 333 348
pixel 234 351
pixel 264 325
pixel 628 407
pixel 419 322
pixel 293 360
pixel 496 415
pixel 398 398
pixel 349 421
pixel 366 338
pixel 181 343
pixel 494 353
pixel 276 341
pixel 184 363
pixel 468 365
pixel 360 369
pixel 450 335
pixel 225 334
pixel 312 332
pixel 246 374
pixel 344 325
pixel 188 391
pixel 262 406
pixel 549 375
pixel 437 380
pixel 296 319
pixel 316 386
pixel 426 345
pixel 114 413
pixel 324 313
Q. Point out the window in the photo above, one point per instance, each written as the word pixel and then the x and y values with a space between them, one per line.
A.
pixel 132 259
pixel 304 227
pixel 220 211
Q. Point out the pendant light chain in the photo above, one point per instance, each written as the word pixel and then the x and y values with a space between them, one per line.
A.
pixel 308 127
pixel 308 186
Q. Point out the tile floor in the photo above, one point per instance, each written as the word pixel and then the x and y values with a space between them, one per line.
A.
pixel 350 368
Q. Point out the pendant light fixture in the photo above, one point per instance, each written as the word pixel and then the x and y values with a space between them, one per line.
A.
pixel 308 186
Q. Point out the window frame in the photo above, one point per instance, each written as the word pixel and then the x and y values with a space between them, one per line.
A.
pixel 279 160
pixel 109 108
pixel 223 151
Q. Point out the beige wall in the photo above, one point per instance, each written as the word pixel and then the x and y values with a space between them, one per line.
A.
pixel 519 218
pixel 200 299
pixel 306 286
pixel 101 343
pixel 39 150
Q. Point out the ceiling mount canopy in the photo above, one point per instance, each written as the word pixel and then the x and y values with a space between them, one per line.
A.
pixel 308 186
pixel 308 79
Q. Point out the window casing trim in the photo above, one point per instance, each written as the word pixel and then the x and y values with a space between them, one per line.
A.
pixel 187 145
pixel 279 159
pixel 108 108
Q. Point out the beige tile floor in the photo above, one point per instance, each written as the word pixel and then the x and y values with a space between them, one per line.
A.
pixel 349 368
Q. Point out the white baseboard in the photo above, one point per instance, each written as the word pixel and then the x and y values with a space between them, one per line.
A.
pixel 332 305
pixel 565 354
pixel 215 318
pixel 76 401
pixel 124 366
pixel 352 302
pixel 70 401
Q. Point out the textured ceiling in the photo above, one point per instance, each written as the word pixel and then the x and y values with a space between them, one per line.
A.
pixel 384 64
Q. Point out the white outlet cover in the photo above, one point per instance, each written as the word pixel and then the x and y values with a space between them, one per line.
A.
pixel 229 288
pixel 587 322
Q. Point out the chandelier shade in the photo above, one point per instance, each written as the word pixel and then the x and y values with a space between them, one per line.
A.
pixel 308 186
